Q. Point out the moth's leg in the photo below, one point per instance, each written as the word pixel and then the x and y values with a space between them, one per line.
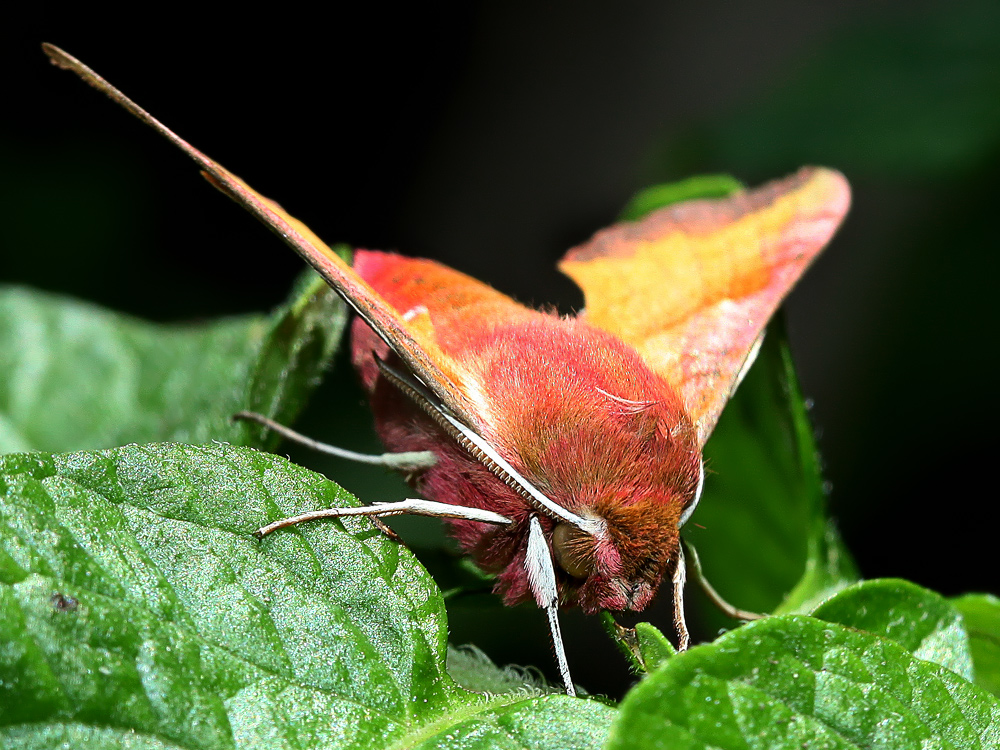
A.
pixel 542 580
pixel 680 623
pixel 735 612
pixel 412 506
pixel 406 461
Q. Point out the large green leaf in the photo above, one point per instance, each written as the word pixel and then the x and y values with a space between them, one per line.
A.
pixel 792 681
pixel 137 610
pixel 924 623
pixel 74 376
pixel 982 620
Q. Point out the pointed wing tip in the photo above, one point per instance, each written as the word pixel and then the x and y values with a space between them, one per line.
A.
pixel 828 174
pixel 819 198
pixel 816 190
pixel 832 188
pixel 58 57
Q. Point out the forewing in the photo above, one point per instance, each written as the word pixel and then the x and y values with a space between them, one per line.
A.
pixel 414 344
pixel 426 292
pixel 692 286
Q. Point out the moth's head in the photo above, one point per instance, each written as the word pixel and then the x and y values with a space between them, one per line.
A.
pixel 621 566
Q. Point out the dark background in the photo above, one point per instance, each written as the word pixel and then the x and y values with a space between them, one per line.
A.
pixel 495 136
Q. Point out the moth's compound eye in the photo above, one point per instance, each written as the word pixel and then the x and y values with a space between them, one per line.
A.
pixel 574 550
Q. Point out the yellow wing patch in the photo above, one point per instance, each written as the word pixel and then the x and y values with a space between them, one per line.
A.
pixel 692 286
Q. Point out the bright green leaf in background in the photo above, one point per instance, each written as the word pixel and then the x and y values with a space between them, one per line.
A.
pixel 982 620
pixel 73 376
pixel 693 188
pixel 136 609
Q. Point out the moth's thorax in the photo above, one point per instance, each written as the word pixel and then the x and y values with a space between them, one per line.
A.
pixel 577 413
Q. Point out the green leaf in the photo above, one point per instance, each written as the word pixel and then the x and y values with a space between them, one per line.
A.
pixel 766 540
pixel 136 609
pixel 644 646
pixel 793 681
pixel 921 621
pixel 74 376
pixel 653 645
pixel 658 196
pixel 982 621
pixel 474 670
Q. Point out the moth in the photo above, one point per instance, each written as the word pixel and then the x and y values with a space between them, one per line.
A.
pixel 565 452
